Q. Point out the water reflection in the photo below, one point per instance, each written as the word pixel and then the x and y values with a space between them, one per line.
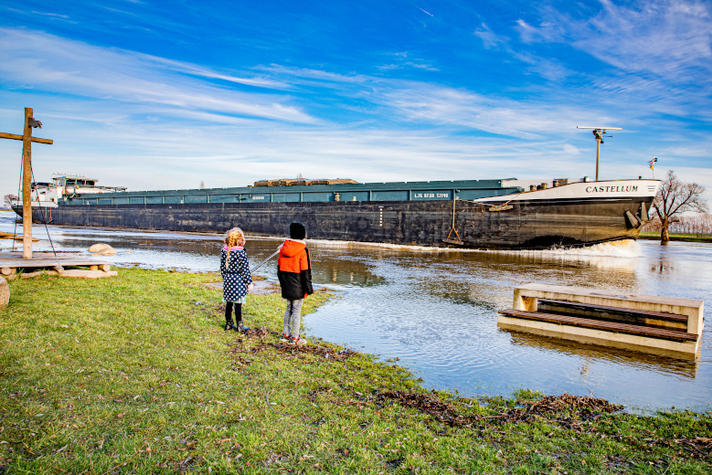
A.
pixel 590 353
pixel 436 309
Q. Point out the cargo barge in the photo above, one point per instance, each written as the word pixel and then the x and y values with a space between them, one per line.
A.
pixel 485 214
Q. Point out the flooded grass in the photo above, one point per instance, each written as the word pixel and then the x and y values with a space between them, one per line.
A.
pixel 687 237
pixel 136 374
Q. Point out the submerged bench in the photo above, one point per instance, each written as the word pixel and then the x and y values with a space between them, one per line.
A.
pixel 660 325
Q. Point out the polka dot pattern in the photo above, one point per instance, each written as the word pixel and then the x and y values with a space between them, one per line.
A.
pixel 235 270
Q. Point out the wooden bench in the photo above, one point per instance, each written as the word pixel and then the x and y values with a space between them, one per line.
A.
pixel 48 263
pixel 661 325
pixel 605 312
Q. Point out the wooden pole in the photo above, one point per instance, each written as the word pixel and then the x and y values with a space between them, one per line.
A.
pixel 27 186
pixel 27 140
pixel 598 151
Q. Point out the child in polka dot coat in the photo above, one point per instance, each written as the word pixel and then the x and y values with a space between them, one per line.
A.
pixel 237 280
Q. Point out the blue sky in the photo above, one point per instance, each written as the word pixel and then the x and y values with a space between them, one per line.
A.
pixel 157 95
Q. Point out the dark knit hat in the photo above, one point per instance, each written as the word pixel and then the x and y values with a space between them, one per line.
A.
pixel 297 231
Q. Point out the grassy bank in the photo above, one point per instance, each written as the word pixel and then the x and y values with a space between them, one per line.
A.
pixel 136 373
pixel 679 237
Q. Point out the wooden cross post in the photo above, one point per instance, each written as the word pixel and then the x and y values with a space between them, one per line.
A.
pixel 27 140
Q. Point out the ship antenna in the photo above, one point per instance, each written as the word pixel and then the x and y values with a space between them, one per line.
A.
pixel 598 133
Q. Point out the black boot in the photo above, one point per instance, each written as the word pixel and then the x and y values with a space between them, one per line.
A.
pixel 228 316
pixel 238 318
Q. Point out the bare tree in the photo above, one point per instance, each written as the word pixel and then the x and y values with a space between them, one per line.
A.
pixel 675 197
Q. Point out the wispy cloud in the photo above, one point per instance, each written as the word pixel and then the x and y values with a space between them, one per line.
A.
pixel 490 39
pixel 53 15
pixel 302 75
pixel 32 60
pixel 199 71
pixel 547 31
pixel 669 38
pixel 406 60
pixel 522 119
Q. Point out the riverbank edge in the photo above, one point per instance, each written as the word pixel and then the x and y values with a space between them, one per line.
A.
pixel 136 373
pixel 678 237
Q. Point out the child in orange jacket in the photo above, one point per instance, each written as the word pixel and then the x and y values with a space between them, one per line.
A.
pixel 294 273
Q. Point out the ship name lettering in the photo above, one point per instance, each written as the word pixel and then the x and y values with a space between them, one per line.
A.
pixel 612 189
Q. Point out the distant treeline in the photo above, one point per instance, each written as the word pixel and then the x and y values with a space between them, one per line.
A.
pixel 699 223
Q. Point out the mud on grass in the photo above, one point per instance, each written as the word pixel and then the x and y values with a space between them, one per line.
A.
pixel 136 374
pixel 586 420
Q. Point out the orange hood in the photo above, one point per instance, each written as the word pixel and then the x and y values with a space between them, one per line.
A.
pixel 292 248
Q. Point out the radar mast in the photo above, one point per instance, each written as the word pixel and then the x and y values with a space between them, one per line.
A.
pixel 598 133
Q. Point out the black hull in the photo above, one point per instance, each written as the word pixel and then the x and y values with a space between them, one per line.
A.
pixel 532 224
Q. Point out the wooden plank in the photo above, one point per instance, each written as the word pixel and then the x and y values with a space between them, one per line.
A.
pixel 532 289
pixel 49 263
pixel 5 135
pixel 44 259
pixel 602 325
pixel 673 317
pixel 688 350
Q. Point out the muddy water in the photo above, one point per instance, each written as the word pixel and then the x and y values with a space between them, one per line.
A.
pixel 436 310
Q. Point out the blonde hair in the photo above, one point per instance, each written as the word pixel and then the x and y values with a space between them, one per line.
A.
pixel 234 237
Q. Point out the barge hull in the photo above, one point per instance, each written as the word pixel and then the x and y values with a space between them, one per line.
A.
pixel 522 224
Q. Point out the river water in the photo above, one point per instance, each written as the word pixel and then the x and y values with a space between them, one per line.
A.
pixel 436 310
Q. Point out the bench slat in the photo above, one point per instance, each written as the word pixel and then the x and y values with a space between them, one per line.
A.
pixel 672 317
pixel 676 335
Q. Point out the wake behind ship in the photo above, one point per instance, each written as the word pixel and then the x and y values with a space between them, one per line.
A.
pixel 486 214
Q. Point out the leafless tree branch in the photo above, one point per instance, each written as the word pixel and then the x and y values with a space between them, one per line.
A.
pixel 674 198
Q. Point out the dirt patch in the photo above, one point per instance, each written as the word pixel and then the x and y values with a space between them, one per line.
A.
pixel 431 405
pixel 697 447
pixel 700 446
pixel 291 350
pixel 566 409
pixel 314 349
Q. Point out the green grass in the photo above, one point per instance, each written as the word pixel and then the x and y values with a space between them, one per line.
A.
pixel 688 237
pixel 135 374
